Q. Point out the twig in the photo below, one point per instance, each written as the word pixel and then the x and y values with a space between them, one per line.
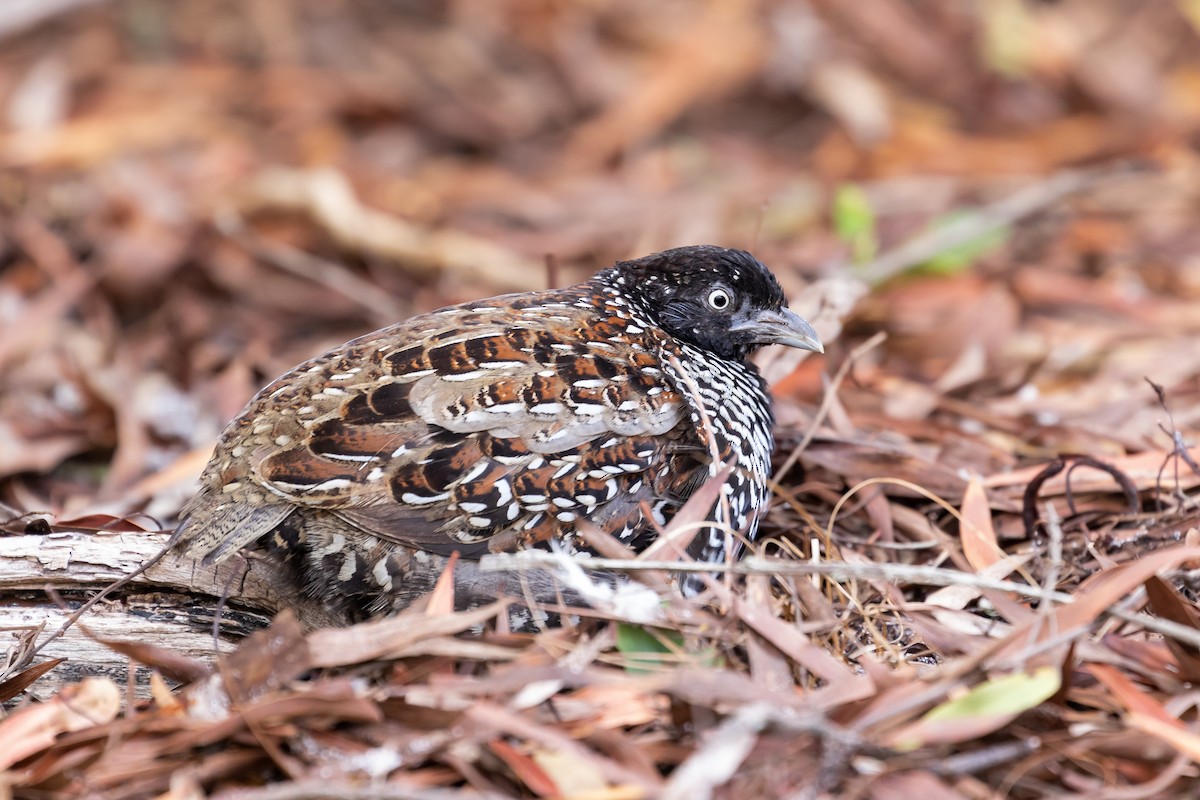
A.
pixel 839 571
pixel 716 464
pixel 974 762
pixel 552 271
pixel 328 197
pixel 331 790
pixel 1179 449
pixel 1029 515
pixel 312 268
pixel 827 401
pixel 1003 212
pixel 757 565
pixel 1054 554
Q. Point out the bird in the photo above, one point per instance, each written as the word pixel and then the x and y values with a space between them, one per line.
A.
pixel 504 424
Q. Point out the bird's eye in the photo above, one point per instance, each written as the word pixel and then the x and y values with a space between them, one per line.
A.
pixel 719 299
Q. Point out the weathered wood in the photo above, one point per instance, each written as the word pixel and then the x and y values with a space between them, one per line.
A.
pixel 69 560
pixel 171 606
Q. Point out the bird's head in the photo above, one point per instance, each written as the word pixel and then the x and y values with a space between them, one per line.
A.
pixel 725 301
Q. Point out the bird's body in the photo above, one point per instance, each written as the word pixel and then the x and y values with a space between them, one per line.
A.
pixel 498 425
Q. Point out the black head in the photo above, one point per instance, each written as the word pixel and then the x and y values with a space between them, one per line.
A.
pixel 722 300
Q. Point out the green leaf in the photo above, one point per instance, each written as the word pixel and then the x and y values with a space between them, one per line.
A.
pixel 645 651
pixel 651 650
pixel 958 258
pixel 854 222
pixel 999 697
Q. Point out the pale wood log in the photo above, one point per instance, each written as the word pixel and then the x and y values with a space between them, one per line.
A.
pixel 171 606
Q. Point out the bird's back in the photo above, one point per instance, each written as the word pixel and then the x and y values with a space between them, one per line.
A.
pixel 487 426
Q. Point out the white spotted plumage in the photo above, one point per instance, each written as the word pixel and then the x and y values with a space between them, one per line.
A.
pixel 500 424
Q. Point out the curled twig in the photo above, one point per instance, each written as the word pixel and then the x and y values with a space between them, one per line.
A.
pixel 1029 512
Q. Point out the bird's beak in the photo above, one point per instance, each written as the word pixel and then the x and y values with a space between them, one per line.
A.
pixel 783 327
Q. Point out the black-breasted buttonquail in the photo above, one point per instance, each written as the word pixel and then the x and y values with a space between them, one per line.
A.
pixel 499 424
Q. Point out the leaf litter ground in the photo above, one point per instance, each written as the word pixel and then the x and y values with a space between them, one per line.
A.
pixel 977 579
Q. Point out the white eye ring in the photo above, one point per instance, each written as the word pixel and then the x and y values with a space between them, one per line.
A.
pixel 719 299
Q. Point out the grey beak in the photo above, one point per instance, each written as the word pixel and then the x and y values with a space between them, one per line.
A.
pixel 783 327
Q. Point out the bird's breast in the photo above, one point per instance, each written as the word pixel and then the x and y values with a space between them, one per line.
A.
pixel 730 406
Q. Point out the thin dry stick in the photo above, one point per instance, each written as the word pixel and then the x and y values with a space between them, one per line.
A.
pixel 312 268
pixel 1045 613
pixel 827 401
pixel 754 565
pixel 311 789
pixel 1054 552
pixel 693 390
pixel 912 487
pixel 713 451
pixel 987 219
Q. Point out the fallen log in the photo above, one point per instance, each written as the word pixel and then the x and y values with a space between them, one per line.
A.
pixel 45 578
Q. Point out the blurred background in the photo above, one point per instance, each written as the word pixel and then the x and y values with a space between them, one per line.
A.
pixel 195 195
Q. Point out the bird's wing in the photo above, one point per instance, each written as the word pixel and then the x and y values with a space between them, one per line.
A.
pixel 476 427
